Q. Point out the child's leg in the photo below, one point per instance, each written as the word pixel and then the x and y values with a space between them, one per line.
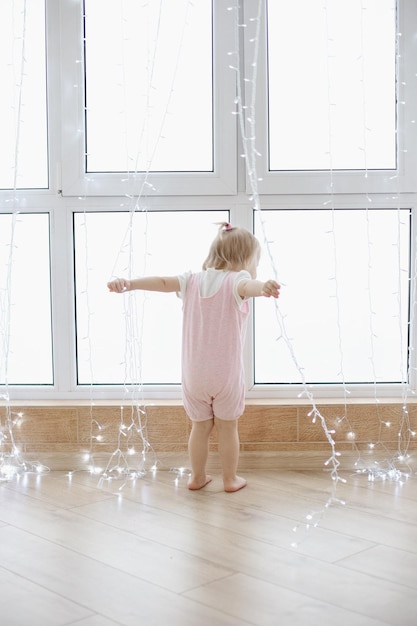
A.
pixel 228 438
pixel 198 445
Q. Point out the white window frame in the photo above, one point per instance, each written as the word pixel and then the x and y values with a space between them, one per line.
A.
pixel 230 192
pixel 76 182
pixel 331 390
pixel 402 179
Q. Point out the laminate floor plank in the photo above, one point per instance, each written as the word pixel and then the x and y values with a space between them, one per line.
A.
pixel 25 602
pixel 110 591
pixel 190 526
pixel 75 550
pixel 262 602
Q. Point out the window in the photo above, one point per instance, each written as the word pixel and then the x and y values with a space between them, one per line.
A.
pixel 345 297
pixel 25 300
pixel 23 113
pixel 153 79
pixel 134 338
pixel 141 114
pixel 332 101
pixel 339 79
pixel 295 119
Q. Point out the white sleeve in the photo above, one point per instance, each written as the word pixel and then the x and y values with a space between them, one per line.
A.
pixel 183 278
pixel 242 275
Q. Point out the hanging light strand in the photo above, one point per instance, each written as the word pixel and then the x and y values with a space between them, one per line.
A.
pixel 12 462
pixel 250 154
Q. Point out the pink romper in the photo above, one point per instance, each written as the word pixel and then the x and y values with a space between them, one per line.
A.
pixel 214 328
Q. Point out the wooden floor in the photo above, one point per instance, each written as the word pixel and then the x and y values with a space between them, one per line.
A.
pixel 154 553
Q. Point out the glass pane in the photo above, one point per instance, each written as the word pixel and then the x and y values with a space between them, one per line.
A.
pixel 332 79
pixel 23 123
pixel 344 299
pixel 25 300
pixel 148 85
pixel 136 337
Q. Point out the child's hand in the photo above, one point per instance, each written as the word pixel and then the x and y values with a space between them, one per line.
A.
pixel 271 288
pixel 119 285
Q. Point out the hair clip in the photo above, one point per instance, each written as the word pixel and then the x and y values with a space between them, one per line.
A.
pixel 228 226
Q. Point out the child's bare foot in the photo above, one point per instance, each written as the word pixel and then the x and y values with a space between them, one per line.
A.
pixel 234 485
pixel 195 483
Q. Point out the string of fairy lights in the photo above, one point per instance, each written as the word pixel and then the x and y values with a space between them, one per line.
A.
pixel 250 154
pixel 12 461
pixel 394 466
pixel 133 455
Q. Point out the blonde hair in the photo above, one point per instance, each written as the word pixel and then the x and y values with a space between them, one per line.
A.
pixel 232 249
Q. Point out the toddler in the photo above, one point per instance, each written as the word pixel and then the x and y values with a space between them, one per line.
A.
pixel 215 312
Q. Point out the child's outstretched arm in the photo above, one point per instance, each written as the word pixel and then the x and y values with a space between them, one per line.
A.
pixel 256 288
pixel 147 283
